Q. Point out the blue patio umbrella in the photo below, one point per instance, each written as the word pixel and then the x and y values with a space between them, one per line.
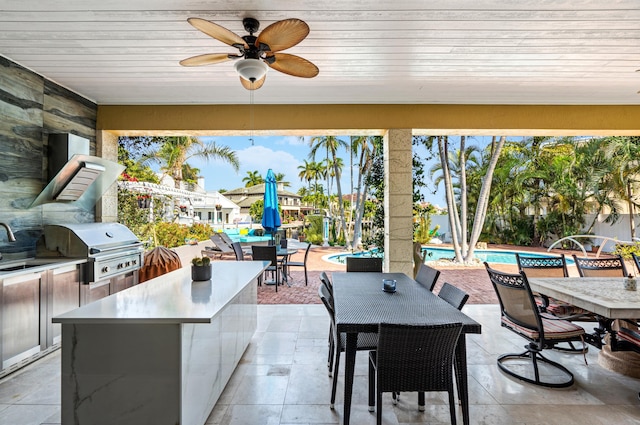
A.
pixel 270 215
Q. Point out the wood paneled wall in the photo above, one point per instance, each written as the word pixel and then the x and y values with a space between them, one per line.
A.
pixel 32 107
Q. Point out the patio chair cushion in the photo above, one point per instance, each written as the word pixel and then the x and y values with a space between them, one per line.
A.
pixel 629 335
pixel 553 329
pixel 561 308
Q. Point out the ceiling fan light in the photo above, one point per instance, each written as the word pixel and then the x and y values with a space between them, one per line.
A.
pixel 251 69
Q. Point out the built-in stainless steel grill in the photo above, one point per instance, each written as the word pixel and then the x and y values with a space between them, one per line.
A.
pixel 110 248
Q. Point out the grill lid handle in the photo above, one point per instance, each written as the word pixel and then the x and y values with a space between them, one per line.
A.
pixel 115 248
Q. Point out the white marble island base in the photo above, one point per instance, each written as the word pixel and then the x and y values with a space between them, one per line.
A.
pixel 160 352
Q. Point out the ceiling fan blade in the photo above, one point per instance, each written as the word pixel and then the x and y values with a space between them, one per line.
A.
pixel 253 86
pixel 283 34
pixel 294 65
pixel 217 32
pixel 207 59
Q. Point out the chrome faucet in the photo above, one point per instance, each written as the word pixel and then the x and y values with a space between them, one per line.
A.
pixel 9 232
pixel 9 235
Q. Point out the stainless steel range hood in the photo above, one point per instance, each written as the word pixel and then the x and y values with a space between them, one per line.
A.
pixel 74 175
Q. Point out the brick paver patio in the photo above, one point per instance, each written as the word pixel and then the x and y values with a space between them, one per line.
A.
pixel 473 280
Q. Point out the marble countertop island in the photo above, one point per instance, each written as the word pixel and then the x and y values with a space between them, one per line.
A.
pixel 170 298
pixel 160 352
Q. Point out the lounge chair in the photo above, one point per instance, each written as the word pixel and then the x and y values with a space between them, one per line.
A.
pixel 220 248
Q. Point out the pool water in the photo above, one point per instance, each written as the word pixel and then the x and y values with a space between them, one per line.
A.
pixel 434 254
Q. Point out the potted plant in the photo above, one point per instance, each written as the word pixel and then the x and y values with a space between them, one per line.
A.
pixel 218 207
pixel 201 268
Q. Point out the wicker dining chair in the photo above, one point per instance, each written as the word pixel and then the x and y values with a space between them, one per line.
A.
pixel 237 249
pixel 326 281
pixel 302 264
pixel 521 315
pixel 364 264
pixel 453 295
pixel 427 276
pixel 413 358
pixel 268 253
pixel 337 343
pixel 601 266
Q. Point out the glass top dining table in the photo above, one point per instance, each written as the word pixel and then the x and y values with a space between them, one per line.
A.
pixel 361 304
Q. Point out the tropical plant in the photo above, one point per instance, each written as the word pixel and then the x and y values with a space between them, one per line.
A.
pixel 173 152
pixel 375 180
pixel 140 221
pixel 624 151
pixel 422 227
pixel 331 144
pixel 463 242
pixel 366 149
pixel 133 168
pixel 253 178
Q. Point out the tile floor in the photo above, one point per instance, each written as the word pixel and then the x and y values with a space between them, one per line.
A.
pixel 282 379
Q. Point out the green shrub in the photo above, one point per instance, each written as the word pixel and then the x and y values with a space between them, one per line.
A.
pixel 625 250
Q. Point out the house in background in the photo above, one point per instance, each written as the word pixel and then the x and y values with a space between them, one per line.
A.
pixel 191 204
pixel 290 203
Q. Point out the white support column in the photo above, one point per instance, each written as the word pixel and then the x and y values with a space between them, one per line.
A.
pixel 107 206
pixel 398 201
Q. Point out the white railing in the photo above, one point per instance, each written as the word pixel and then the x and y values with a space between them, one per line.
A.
pixel 604 239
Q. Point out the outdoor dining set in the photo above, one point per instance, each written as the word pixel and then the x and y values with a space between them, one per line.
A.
pixel 543 304
pixel 415 338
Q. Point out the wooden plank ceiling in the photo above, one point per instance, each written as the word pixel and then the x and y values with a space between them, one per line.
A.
pixel 379 51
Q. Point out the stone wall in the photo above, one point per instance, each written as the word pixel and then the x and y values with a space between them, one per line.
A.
pixel 32 107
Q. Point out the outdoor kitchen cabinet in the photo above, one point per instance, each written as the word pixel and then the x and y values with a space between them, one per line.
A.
pixel 23 317
pixel 63 295
pixel 90 292
pixel 123 281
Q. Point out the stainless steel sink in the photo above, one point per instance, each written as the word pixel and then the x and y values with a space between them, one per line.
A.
pixel 18 267
pixel 27 264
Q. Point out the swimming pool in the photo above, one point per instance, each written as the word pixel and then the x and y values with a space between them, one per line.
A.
pixel 435 253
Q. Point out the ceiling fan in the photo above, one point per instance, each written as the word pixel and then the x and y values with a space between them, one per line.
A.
pixel 257 54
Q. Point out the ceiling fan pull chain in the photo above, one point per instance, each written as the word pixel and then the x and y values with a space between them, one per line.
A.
pixel 251 113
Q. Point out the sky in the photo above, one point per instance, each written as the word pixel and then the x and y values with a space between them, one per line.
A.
pixel 283 154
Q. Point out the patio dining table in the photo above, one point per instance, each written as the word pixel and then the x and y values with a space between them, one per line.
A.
pixel 361 304
pixel 604 296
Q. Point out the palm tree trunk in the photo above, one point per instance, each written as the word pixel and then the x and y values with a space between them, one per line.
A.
pixel 444 160
pixel 463 196
pixel 632 224
pixel 483 199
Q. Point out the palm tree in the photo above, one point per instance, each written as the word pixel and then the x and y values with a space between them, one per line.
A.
pixel 280 179
pixel 365 149
pixel 331 144
pixel 175 151
pixel 306 172
pixel 464 243
pixel 253 178
pixel 624 152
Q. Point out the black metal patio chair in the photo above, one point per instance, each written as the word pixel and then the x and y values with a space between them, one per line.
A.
pixel 521 315
pixel 601 267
